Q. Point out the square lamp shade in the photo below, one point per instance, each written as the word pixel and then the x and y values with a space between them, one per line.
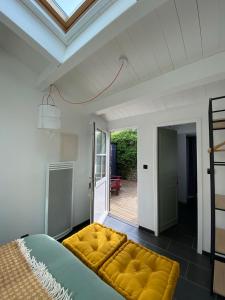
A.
pixel 49 117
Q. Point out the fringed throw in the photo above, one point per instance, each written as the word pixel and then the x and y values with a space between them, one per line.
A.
pixel 22 277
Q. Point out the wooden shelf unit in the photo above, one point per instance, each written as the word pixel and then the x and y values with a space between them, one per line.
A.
pixel 218 124
pixel 217 203
pixel 220 202
pixel 220 241
pixel 219 278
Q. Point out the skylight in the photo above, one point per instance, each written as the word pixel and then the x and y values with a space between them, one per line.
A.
pixel 69 6
pixel 66 12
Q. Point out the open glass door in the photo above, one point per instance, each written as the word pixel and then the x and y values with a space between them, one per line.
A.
pixel 99 207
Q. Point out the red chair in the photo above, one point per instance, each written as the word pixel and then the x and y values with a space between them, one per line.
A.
pixel 115 184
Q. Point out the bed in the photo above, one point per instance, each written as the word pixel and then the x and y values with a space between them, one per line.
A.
pixel 69 271
pixel 100 264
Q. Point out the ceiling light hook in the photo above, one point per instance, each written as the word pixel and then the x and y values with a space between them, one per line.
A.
pixel 123 60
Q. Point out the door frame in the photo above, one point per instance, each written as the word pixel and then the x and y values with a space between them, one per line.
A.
pixel 199 176
pixel 93 180
pixel 92 192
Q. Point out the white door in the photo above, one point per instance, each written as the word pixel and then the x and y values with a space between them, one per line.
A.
pixel 100 176
pixel 167 178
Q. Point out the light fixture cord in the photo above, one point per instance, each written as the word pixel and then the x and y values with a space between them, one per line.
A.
pixel 47 97
pixel 90 99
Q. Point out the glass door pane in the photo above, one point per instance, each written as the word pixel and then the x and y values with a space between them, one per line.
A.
pixel 100 159
pixel 100 193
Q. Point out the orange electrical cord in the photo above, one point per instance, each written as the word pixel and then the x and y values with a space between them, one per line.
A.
pixel 90 99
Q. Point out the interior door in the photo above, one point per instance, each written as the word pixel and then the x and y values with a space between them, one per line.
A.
pixel 99 176
pixel 167 178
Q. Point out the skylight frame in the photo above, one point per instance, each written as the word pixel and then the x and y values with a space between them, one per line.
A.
pixel 59 16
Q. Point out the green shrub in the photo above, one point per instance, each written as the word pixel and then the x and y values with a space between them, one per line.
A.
pixel 126 151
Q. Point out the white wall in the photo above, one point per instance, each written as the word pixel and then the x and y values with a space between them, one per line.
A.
pixel 78 123
pixel 25 151
pixel 146 146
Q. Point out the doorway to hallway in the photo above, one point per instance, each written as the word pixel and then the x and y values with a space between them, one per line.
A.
pixel 177 182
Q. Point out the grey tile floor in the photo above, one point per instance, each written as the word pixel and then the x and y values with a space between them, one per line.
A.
pixel 178 243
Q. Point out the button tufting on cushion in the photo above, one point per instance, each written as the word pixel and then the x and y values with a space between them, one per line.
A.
pixel 140 274
pixel 95 244
pixel 108 237
pixel 94 247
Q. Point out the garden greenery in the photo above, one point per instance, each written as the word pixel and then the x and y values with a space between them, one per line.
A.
pixel 126 151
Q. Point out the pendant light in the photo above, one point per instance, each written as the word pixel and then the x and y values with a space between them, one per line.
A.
pixel 49 115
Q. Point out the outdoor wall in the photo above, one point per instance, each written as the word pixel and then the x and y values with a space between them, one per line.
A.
pixel 146 125
pixel 26 150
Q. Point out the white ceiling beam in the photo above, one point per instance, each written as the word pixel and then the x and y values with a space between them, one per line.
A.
pixel 100 33
pixel 202 72
pixel 23 22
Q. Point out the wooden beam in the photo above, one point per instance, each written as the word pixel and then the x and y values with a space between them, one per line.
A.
pixel 202 72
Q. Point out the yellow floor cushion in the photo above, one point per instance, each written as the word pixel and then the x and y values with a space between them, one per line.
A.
pixel 95 244
pixel 138 273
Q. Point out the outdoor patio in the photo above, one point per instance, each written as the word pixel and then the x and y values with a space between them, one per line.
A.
pixel 124 206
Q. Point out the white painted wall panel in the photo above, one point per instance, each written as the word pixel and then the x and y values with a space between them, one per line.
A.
pixel 25 152
pixel 145 125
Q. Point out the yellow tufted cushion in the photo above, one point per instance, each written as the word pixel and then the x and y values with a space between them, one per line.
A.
pixel 95 244
pixel 138 273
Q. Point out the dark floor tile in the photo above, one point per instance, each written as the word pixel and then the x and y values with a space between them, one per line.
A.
pixel 182 262
pixel 187 229
pixel 199 275
pixel 176 235
pixel 220 297
pixel 137 232
pixel 161 241
pixel 184 229
pixel 189 254
pixel 187 290
pixel 171 232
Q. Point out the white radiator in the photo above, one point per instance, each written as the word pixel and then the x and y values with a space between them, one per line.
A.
pixel 59 198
